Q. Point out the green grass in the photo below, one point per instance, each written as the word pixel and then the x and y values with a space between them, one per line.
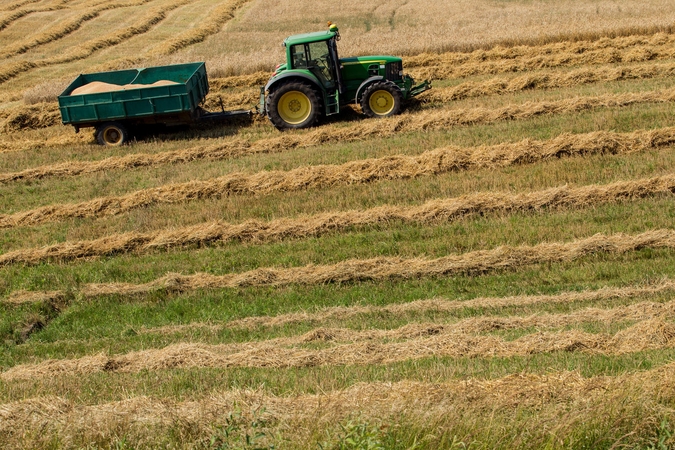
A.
pixel 116 324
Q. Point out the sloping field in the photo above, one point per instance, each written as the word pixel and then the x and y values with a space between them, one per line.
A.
pixel 493 268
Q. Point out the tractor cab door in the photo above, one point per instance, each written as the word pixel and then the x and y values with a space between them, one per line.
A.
pixel 316 58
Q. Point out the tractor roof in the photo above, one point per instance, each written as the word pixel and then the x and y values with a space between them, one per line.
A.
pixel 306 38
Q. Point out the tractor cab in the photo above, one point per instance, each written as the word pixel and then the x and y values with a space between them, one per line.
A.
pixel 315 82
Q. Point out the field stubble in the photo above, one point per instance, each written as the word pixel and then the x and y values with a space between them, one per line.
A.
pixel 396 167
pixel 58 418
pixel 440 210
pixel 382 268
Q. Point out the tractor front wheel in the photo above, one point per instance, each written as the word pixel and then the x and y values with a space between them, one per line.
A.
pixel 112 134
pixel 381 99
pixel 293 105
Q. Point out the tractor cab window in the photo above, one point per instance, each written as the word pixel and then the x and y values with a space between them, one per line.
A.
pixel 320 61
pixel 315 57
pixel 299 57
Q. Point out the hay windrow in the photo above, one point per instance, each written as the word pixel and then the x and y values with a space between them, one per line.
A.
pixel 39 114
pixel 447 306
pixel 385 268
pixel 13 16
pixel 521 59
pixel 562 398
pixel 222 14
pixel 434 211
pixel 561 49
pixel 420 341
pixel 143 25
pixel 65 28
pixel 429 163
pixel 642 311
pixel 549 80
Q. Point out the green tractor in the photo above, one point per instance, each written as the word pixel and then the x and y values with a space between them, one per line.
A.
pixel 315 82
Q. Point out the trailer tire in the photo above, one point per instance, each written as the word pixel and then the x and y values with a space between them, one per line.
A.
pixel 381 99
pixel 112 134
pixel 293 105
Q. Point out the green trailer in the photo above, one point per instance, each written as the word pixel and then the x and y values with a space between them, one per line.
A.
pixel 169 95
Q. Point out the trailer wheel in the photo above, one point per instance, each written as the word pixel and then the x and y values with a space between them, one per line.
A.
pixel 382 99
pixel 112 134
pixel 293 105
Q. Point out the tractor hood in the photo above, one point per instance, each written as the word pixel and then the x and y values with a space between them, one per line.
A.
pixel 381 59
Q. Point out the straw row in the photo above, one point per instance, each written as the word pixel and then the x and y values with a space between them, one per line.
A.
pixel 222 14
pixel 65 28
pixel 18 4
pixel 433 162
pixel 437 305
pixel 580 52
pixel 142 417
pixel 474 325
pixel 439 210
pixel 15 15
pixel 440 69
pixel 143 25
pixel 423 343
pixel 552 404
pixel 550 80
pixel 378 269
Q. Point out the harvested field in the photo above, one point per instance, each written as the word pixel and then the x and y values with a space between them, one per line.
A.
pixel 222 14
pixel 520 59
pixel 442 305
pixel 87 48
pixel 457 399
pixel 550 80
pixel 433 211
pixel 63 29
pixel 420 342
pixel 490 269
pixel 484 324
pixel 432 162
pixel 497 155
pixel 477 262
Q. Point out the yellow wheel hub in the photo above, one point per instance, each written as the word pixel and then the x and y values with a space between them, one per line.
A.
pixel 112 136
pixel 294 107
pixel 381 102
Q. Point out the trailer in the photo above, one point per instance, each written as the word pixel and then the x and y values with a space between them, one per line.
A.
pixel 117 102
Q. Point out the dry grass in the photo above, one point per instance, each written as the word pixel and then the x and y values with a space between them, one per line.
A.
pixel 383 268
pixel 562 398
pixel 219 17
pixel 365 171
pixel 441 306
pixel 256 231
pixel 145 23
pixel 416 341
pixel 242 37
pixel 474 325
pixel 65 28
pixel 524 58
pixel 472 158
pixel 549 80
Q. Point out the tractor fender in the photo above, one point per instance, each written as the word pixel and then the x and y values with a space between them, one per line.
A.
pixel 293 74
pixel 364 85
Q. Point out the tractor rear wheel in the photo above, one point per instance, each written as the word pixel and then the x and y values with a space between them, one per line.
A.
pixel 293 105
pixel 112 134
pixel 381 99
